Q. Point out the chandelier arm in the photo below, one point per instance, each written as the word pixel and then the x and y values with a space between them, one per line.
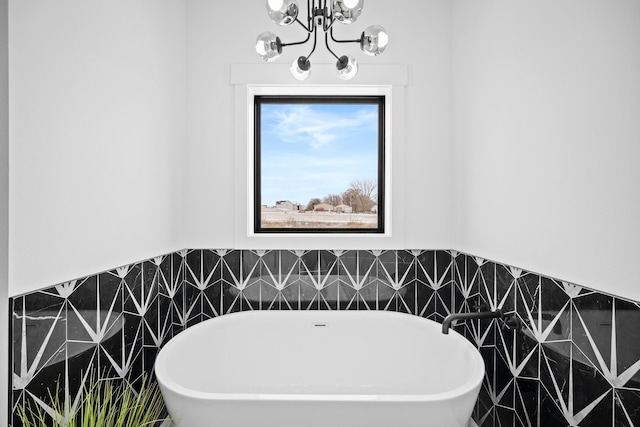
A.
pixel 326 42
pixel 307 29
pixel 326 14
pixel 296 43
pixel 310 28
pixel 329 20
pixel 310 7
pixel 315 42
pixel 345 41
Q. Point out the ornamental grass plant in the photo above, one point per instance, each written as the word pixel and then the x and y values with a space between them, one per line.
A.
pixel 104 403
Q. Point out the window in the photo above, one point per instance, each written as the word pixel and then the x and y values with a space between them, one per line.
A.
pixel 319 164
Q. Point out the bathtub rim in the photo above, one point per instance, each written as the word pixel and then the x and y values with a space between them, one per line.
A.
pixel 470 385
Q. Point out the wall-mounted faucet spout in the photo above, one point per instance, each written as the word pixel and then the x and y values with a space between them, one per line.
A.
pixel 508 322
pixel 446 324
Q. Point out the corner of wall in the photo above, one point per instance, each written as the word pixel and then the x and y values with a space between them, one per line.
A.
pixel 4 207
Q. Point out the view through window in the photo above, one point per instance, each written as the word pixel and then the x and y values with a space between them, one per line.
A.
pixel 319 164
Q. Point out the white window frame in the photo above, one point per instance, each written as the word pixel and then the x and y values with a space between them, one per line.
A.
pixel 250 80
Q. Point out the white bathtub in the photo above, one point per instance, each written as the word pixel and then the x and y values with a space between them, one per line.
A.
pixel 319 369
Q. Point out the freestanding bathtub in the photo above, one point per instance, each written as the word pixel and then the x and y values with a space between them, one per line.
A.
pixel 319 369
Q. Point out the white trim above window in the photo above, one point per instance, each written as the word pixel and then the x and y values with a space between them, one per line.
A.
pixel 323 74
pixel 269 79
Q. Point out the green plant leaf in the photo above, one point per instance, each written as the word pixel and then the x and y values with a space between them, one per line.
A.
pixel 104 403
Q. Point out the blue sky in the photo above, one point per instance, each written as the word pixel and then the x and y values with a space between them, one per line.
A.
pixel 311 150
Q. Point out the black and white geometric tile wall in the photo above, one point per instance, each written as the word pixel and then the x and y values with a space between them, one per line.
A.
pixel 576 362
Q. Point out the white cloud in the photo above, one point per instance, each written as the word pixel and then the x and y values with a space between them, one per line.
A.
pixel 302 124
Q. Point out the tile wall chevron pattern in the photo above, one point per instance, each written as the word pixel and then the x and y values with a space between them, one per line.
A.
pixel 576 362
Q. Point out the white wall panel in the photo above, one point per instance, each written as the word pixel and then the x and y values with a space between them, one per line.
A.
pixel 547 137
pixel 96 129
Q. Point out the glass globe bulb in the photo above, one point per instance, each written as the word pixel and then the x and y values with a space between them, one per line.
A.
pixel 268 46
pixel 347 11
pixel 374 40
pixel 347 67
pixel 300 68
pixel 282 12
pixel 275 4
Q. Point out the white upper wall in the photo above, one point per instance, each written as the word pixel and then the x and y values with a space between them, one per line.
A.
pixel 547 137
pixel 545 96
pixel 420 40
pixel 97 101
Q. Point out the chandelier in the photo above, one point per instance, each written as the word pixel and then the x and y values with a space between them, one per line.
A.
pixel 321 14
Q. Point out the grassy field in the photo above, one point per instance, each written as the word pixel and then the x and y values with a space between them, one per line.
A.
pixel 274 218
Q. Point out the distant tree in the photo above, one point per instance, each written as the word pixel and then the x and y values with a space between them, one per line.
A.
pixel 312 203
pixel 356 200
pixel 332 199
pixel 359 196
pixel 366 187
pixel 351 198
